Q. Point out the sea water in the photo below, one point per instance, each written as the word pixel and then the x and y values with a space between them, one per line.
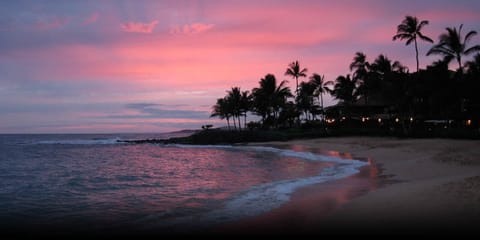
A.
pixel 95 183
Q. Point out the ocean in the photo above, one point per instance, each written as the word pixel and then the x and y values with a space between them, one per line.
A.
pixel 93 183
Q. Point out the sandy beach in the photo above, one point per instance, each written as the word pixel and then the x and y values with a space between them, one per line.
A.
pixel 418 186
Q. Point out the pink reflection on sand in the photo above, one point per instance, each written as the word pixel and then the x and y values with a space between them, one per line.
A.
pixel 312 204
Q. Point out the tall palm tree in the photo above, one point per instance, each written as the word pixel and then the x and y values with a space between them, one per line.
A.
pixel 344 89
pixel 410 29
pixel 320 86
pixel 360 68
pixel 294 71
pixel 305 98
pixel 234 97
pixel 451 45
pixel 269 98
pixel 221 110
pixel 245 106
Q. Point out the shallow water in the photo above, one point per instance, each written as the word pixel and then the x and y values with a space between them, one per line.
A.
pixel 93 183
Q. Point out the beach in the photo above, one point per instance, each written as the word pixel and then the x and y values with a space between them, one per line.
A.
pixel 423 186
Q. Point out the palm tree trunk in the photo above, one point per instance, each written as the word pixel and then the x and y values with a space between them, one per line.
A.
pixel 228 123
pixel 459 59
pixel 321 104
pixel 296 89
pixel 245 120
pixel 416 51
pixel 234 124
pixel 239 123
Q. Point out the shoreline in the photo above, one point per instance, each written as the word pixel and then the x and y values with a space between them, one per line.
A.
pixel 432 185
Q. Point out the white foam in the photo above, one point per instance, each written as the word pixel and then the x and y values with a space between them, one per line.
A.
pixel 83 141
pixel 263 198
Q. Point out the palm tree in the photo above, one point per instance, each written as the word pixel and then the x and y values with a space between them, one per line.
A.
pixel 474 65
pixel 221 110
pixel 294 71
pixel 359 65
pixel 360 68
pixel 269 98
pixel 451 46
pixel 245 105
pixel 305 98
pixel 320 86
pixel 234 99
pixel 410 29
pixel 344 89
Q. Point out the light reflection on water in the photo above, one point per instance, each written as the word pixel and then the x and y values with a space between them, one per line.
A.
pixel 112 186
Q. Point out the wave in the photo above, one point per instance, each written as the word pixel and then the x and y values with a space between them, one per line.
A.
pixel 94 141
pixel 282 152
pixel 266 197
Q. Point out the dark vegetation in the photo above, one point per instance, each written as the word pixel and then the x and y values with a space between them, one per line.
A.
pixel 379 98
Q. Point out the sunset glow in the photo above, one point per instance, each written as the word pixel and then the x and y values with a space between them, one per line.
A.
pixel 156 66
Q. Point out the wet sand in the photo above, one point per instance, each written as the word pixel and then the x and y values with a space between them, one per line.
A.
pixel 412 186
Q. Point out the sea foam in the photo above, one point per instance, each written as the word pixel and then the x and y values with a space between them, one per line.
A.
pixel 266 197
pixel 101 141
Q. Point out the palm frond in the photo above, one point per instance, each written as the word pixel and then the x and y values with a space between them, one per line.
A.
pixel 410 40
pixel 469 36
pixel 473 49
pixel 424 38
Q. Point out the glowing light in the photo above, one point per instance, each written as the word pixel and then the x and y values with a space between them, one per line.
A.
pixel 343 118
pixel 363 119
pixel 397 120
pixel 469 122
pixel 330 120
pixel 379 120
pixel 411 119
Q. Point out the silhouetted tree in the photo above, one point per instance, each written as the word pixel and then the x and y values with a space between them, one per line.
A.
pixel 221 110
pixel 305 98
pixel 320 86
pixel 233 98
pixel 344 89
pixel 269 98
pixel 288 114
pixel 295 71
pixel 245 105
pixel 452 46
pixel 360 68
pixel 383 75
pixel 473 66
pixel 410 29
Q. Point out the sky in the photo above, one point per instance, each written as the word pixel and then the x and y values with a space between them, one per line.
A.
pixel 158 66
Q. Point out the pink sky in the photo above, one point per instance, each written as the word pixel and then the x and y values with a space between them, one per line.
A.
pixel 156 66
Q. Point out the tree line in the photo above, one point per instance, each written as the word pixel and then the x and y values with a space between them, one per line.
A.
pixel 432 93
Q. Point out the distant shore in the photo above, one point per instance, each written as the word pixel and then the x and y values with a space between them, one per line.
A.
pixel 436 189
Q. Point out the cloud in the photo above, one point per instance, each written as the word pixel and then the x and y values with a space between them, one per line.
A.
pixel 159 111
pixel 140 105
pixel 139 27
pixel 191 28
pixel 91 19
pixel 50 23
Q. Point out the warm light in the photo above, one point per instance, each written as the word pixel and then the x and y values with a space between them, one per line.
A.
pixel 411 119
pixel 330 120
pixel 343 118
pixel 363 119
pixel 469 122
pixel 379 120
pixel 397 120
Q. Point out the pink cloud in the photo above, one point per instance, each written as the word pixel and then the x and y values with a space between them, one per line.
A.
pixel 91 19
pixel 191 28
pixel 139 27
